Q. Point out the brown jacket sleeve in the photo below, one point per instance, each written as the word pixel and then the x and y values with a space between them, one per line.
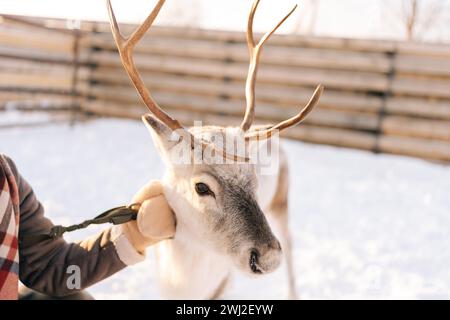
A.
pixel 44 266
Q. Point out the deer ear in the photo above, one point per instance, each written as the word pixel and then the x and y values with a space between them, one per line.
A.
pixel 164 138
pixel 169 143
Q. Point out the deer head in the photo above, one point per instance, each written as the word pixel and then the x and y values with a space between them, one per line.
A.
pixel 216 204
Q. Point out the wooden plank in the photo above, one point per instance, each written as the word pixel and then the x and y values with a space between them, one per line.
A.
pixel 418 107
pixel 421 87
pixel 305 132
pixel 416 48
pixel 25 54
pixel 284 75
pixel 43 41
pixel 420 128
pixel 277 39
pixel 36 81
pixel 332 136
pixel 363 45
pixel 424 49
pixel 423 148
pixel 358 81
pixel 11 80
pixel 106 109
pixel 304 57
pixel 217 105
pixel 433 150
pixel 6 96
pixel 11 95
pixel 427 66
pixel 279 95
pixel 40 67
pixel 30 75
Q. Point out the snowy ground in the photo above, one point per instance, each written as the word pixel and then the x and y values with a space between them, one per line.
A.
pixel 365 225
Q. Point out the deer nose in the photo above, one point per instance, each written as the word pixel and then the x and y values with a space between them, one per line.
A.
pixel 265 258
pixel 254 257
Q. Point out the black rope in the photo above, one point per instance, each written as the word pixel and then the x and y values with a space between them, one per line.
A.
pixel 118 215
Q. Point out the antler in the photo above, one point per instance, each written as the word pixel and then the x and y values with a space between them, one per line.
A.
pixel 267 133
pixel 125 46
pixel 255 53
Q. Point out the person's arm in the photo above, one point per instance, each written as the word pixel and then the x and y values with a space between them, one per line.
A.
pixel 44 266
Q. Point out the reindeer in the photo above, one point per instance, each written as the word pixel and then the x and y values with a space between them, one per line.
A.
pixel 222 210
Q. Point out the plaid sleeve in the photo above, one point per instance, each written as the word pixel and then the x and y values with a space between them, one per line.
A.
pixel 9 222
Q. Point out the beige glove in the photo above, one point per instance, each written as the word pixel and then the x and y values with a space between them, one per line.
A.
pixel 155 220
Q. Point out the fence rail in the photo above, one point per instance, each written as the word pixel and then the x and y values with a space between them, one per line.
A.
pixel 383 96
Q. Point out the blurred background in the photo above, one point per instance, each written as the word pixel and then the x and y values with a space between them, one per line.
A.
pixel 370 170
pixel 381 95
pixel 387 19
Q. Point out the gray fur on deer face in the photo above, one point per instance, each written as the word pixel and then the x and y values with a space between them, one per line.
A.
pixel 239 227
pixel 216 205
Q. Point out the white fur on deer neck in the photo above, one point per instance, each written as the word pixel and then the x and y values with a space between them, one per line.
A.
pixel 187 265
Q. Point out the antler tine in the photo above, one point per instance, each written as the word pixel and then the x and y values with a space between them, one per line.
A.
pixel 267 133
pixel 118 38
pixel 125 47
pixel 137 35
pixel 255 53
pixel 142 29
pixel 270 33
pixel 250 39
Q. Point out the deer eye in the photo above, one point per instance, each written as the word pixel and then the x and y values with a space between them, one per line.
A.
pixel 203 190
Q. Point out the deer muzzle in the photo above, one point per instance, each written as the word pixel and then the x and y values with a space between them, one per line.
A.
pixel 265 258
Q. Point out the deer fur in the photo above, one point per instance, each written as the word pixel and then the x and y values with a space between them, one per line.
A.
pixel 227 227
pixel 209 247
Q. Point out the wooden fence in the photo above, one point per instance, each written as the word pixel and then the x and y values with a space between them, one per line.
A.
pixel 383 96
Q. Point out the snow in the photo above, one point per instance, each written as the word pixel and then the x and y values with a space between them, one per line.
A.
pixel 14 117
pixel 365 226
